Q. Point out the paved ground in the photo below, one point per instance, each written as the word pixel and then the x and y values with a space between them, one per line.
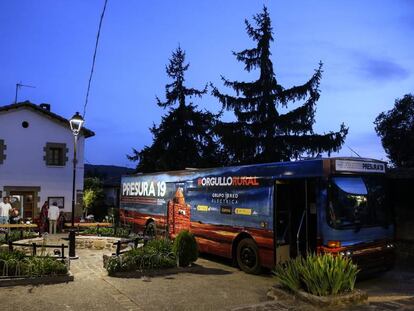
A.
pixel 213 285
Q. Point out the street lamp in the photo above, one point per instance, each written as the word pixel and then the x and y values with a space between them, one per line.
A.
pixel 75 125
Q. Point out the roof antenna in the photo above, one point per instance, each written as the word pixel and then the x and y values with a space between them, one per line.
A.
pixel 18 86
pixel 353 151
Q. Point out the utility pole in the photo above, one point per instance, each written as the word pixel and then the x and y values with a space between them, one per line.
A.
pixel 18 86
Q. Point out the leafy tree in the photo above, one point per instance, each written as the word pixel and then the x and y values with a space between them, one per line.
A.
pixel 93 197
pixel 185 136
pixel 261 132
pixel 396 129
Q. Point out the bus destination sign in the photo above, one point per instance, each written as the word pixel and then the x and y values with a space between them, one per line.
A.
pixel 359 166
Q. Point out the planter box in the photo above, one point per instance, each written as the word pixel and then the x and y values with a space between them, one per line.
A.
pixel 151 273
pixel 348 299
pixel 47 279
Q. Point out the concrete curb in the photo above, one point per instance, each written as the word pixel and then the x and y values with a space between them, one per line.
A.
pixel 23 281
pixel 153 273
pixel 357 297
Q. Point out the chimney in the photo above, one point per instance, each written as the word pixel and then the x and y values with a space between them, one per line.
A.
pixel 45 106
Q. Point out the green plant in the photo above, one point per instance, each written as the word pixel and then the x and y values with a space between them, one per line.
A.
pixel 185 248
pixel 163 246
pixel 289 273
pixel 120 232
pixel 93 197
pixel 113 265
pixel 16 235
pixel 156 254
pixel 319 275
pixel 15 263
pixel 16 254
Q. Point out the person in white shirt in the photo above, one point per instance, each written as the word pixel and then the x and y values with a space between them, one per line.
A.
pixel 53 215
pixel 5 208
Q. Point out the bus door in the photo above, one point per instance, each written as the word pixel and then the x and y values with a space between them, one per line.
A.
pixel 178 212
pixel 294 219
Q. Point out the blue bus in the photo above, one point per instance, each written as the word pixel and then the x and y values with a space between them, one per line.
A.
pixel 261 215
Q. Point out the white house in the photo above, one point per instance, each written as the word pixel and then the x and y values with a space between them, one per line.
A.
pixel 36 158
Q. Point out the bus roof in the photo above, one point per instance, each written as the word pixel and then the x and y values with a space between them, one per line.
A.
pixel 313 167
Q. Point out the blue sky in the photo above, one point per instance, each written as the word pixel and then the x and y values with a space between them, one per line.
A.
pixel 366 47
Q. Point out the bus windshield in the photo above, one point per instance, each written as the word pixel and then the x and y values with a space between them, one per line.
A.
pixel 355 202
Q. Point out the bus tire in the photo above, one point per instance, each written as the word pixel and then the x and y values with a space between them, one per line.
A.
pixel 150 230
pixel 248 256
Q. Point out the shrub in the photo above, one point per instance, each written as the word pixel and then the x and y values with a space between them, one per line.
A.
pixel 15 263
pixel 120 232
pixel 16 235
pixel 163 246
pixel 319 275
pixel 156 254
pixel 113 265
pixel 185 248
pixel 44 266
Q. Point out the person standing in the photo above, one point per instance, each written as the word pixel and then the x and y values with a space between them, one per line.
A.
pixel 5 208
pixel 44 226
pixel 53 215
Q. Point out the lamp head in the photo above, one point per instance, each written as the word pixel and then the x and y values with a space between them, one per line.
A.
pixel 76 123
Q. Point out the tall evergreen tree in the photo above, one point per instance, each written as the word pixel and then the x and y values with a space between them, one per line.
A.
pixel 261 133
pixel 184 138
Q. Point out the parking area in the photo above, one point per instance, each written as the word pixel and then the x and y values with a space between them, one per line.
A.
pixel 213 285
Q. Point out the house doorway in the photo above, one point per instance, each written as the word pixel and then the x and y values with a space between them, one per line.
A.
pixel 24 201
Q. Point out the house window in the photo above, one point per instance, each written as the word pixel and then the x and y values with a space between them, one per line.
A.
pixel 2 151
pixel 55 154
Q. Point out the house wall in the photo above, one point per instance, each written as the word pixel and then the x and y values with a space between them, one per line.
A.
pixel 24 164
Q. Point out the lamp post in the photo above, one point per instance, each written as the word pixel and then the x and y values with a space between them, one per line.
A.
pixel 76 123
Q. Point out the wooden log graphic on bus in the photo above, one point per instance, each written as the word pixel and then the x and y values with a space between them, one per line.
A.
pixel 178 214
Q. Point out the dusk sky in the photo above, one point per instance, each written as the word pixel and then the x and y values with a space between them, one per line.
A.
pixel 367 48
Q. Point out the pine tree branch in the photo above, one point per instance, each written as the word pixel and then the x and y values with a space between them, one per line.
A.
pixel 300 92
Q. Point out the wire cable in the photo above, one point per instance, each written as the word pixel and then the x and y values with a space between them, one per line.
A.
pixel 93 60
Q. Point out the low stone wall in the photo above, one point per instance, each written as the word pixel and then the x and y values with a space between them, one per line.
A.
pixel 98 242
pixel 357 297
pixel 82 242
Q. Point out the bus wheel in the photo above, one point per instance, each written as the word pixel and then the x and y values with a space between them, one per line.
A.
pixel 150 230
pixel 248 256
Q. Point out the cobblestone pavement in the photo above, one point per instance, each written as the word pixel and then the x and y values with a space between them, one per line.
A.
pixel 213 286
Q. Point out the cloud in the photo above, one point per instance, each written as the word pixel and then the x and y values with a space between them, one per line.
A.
pixel 382 70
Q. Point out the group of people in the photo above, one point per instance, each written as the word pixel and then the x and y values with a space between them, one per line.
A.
pixel 50 216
